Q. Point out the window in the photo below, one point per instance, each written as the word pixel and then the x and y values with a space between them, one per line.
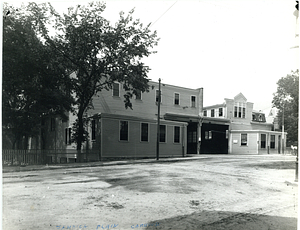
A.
pixel 93 130
pixel 272 142
pixel 240 109
pixel 176 134
pixel 144 131
pixel 52 125
pixel 116 89
pixel 162 137
pixel 263 141
pixel 124 130
pixel 220 112
pixel 193 101
pixel 243 139
pixel 176 99
pixel 138 95
pixel 212 113
pixel 68 132
pixel 205 113
pixel 208 135
pixel 192 137
pixel 157 96
pixel 235 111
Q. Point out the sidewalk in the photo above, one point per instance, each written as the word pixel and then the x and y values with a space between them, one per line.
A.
pixel 7 169
pixel 199 192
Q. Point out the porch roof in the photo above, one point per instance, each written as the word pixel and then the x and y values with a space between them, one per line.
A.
pixel 216 120
pixel 134 118
pixel 195 118
pixel 181 117
pixel 257 131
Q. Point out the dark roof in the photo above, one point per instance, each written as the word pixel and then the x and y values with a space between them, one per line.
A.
pixel 258 116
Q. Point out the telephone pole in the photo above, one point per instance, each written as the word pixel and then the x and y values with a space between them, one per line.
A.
pixel 282 131
pixel 158 122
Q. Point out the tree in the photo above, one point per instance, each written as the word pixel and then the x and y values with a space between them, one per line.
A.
pixel 286 99
pixel 32 87
pixel 101 54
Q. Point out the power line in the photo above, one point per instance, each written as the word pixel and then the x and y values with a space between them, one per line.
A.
pixel 164 13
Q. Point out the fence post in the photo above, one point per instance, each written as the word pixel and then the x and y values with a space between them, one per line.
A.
pixel 18 157
pixel 296 172
pixel 11 154
pixel 56 160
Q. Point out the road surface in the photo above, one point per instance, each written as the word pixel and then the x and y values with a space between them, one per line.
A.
pixel 214 192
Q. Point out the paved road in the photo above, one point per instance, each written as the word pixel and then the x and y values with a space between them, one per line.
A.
pixel 212 192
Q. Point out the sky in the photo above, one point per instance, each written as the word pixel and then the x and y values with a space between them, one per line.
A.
pixel 224 46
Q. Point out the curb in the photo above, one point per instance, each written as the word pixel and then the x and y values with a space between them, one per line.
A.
pixel 8 169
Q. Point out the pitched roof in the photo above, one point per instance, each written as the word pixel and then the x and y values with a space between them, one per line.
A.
pixel 240 96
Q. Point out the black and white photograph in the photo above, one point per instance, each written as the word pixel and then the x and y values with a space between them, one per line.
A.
pixel 150 114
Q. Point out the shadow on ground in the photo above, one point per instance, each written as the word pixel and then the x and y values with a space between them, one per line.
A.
pixel 275 165
pixel 215 220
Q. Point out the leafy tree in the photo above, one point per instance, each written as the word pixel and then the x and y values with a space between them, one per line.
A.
pixel 32 86
pixel 100 54
pixel 286 99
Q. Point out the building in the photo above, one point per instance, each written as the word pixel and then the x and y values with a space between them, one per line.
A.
pixel 248 132
pixel 117 132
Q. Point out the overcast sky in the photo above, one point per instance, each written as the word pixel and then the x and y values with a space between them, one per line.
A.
pixel 226 47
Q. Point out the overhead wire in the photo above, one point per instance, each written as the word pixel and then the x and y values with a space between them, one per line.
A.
pixel 164 13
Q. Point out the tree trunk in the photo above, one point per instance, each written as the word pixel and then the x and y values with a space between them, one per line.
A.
pixel 80 137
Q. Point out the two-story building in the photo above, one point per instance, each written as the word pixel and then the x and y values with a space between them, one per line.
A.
pixel 117 132
pixel 185 126
pixel 248 132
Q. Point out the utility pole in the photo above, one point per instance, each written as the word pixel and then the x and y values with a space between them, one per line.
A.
pixel 282 134
pixel 158 122
pixel 296 13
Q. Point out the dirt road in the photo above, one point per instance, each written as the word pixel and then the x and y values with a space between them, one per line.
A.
pixel 216 192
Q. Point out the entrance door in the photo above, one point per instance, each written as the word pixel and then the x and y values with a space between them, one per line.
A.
pixel 192 138
pixel 214 138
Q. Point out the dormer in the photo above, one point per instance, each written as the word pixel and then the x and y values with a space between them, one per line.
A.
pixel 240 98
pixel 240 105
pixel 258 116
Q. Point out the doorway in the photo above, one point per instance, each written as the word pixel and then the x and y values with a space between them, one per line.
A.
pixel 214 138
pixel 192 135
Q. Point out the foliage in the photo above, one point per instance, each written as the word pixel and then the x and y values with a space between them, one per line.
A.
pixel 32 86
pixel 286 99
pixel 37 79
pixel 100 54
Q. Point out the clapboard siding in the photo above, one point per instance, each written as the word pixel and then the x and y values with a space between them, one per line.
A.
pixel 104 102
pixel 134 147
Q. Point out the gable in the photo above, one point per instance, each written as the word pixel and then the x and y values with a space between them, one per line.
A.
pixel 240 97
